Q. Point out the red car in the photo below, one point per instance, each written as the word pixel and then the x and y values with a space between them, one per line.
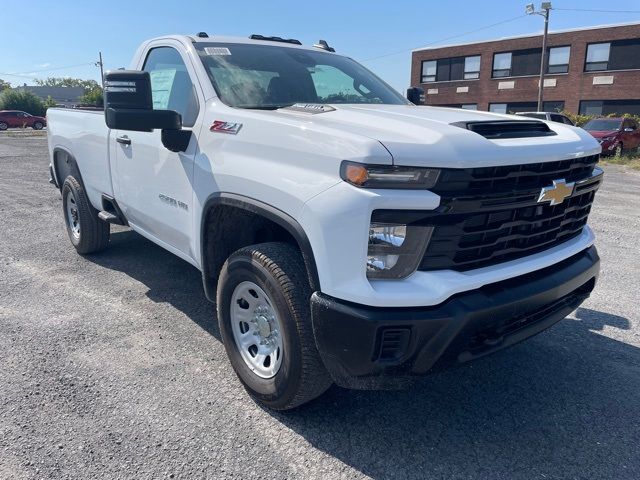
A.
pixel 614 134
pixel 18 119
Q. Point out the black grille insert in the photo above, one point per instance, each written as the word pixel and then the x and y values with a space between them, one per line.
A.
pixel 492 215
pixel 494 334
pixel 393 343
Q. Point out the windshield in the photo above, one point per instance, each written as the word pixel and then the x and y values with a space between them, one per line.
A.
pixel 270 77
pixel 602 125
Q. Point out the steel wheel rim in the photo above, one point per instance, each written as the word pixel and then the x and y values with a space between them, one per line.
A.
pixel 256 329
pixel 73 217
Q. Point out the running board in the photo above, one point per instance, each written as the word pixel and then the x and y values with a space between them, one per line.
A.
pixel 110 218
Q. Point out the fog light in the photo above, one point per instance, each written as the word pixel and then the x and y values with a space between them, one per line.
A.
pixel 395 250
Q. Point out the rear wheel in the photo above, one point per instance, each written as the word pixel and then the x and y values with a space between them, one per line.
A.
pixel 87 232
pixel 265 321
pixel 38 126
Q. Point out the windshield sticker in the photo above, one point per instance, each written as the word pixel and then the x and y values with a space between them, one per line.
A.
pixel 217 51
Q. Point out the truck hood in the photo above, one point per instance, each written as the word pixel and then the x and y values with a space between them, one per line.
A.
pixel 425 136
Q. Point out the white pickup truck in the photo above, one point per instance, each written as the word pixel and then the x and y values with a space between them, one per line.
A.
pixel 344 234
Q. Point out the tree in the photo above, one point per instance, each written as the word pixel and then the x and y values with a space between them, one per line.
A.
pixel 93 98
pixel 49 102
pixel 4 85
pixel 15 99
pixel 88 85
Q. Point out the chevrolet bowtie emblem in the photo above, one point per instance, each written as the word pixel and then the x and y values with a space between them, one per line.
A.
pixel 556 193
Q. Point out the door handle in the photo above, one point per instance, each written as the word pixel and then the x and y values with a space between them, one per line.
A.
pixel 124 140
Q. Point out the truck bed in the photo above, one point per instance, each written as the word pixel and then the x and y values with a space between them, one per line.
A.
pixel 83 133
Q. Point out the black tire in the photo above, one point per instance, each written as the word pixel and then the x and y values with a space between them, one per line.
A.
pixel 93 233
pixel 619 149
pixel 38 126
pixel 279 270
pixel 3 126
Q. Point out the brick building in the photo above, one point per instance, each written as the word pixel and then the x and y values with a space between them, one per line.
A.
pixel 593 70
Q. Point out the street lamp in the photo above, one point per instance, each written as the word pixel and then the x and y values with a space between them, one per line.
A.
pixel 545 7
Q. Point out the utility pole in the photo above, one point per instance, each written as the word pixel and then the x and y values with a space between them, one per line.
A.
pixel 101 65
pixel 545 8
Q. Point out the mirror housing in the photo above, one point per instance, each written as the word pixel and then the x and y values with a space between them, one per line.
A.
pixel 416 95
pixel 129 104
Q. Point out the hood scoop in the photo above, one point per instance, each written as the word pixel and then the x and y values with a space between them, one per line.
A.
pixel 508 129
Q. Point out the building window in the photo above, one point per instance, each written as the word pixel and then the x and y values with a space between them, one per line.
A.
pixel 429 69
pixel 609 107
pixel 521 63
pixel 553 106
pixel 615 55
pixel 448 69
pixel 513 107
pixel 559 60
pixel 472 67
pixel 501 65
pixel 469 106
pixel 597 57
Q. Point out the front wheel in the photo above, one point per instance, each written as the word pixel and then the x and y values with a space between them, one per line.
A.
pixel 87 232
pixel 265 321
pixel 3 126
pixel 38 126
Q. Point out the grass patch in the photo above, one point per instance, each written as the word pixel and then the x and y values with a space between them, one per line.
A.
pixel 23 133
pixel 631 160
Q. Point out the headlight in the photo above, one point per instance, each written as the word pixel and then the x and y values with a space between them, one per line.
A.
pixel 606 139
pixel 395 250
pixel 388 176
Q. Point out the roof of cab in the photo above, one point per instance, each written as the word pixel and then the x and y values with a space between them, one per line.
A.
pixel 186 39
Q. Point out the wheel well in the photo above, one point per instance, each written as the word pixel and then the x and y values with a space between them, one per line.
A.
pixel 64 165
pixel 227 228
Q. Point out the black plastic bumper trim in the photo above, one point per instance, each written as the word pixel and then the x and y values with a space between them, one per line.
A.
pixel 466 326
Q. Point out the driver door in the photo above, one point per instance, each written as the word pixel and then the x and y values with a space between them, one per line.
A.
pixel 154 185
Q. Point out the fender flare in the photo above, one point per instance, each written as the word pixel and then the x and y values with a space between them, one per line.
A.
pixel 271 213
pixel 71 166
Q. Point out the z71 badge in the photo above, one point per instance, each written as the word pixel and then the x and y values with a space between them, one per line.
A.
pixel 225 127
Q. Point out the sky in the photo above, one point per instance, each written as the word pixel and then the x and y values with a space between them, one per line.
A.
pixel 63 38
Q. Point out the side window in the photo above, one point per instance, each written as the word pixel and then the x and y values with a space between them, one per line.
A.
pixel 567 120
pixel 171 86
pixel 557 118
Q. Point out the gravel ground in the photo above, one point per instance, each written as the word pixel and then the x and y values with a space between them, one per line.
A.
pixel 112 367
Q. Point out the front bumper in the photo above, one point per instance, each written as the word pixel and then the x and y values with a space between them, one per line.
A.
pixel 376 347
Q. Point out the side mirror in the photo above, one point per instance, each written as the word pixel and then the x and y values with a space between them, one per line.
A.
pixel 129 105
pixel 416 95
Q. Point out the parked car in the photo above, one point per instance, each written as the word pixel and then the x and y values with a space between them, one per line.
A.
pixel 18 119
pixel 615 135
pixel 344 234
pixel 548 116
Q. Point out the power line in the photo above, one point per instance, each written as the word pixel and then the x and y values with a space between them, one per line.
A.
pixel 447 38
pixel 31 74
pixel 596 11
